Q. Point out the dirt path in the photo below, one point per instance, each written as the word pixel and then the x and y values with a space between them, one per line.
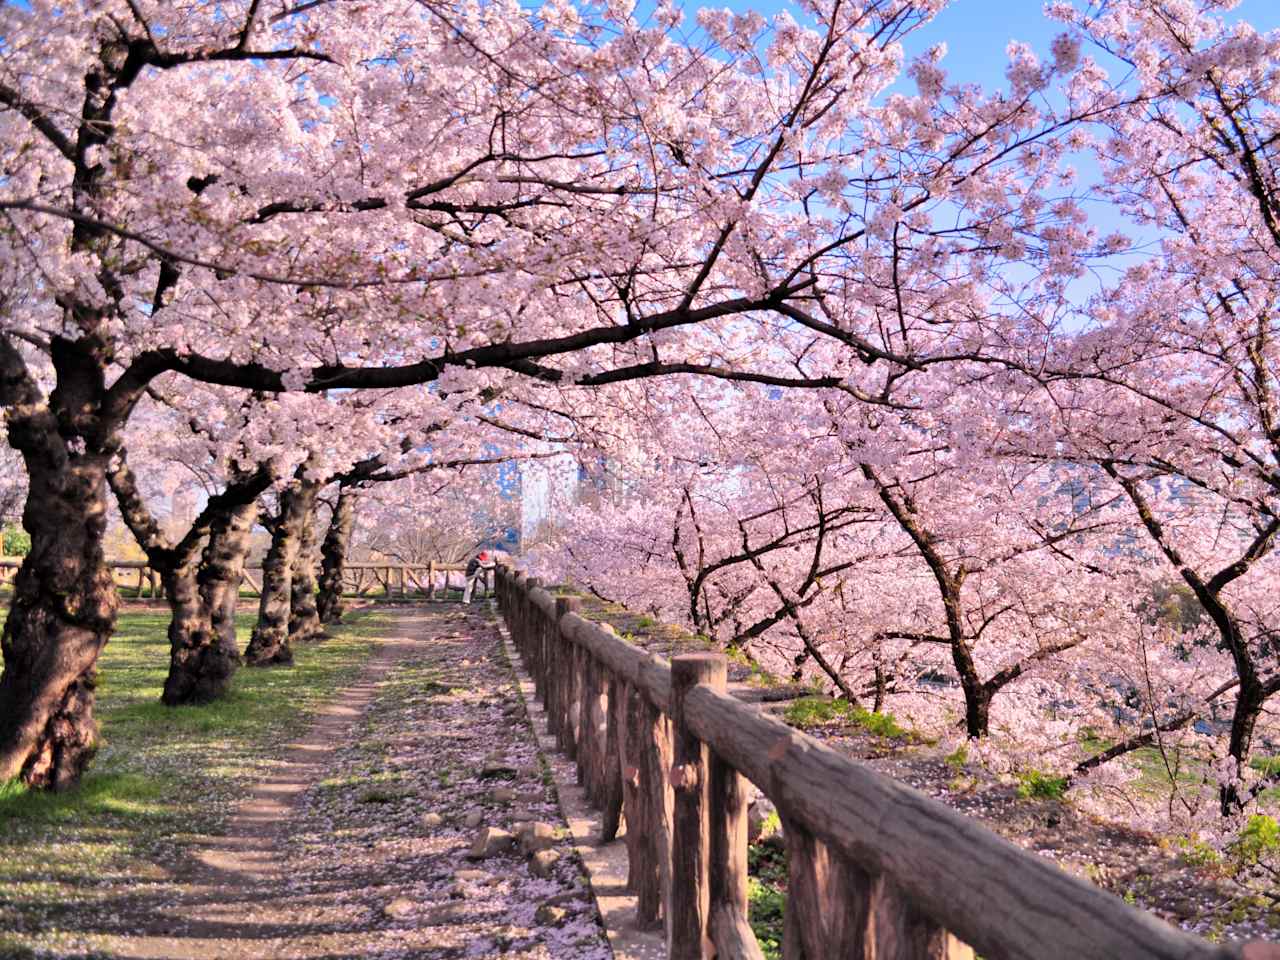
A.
pixel 357 846
pixel 247 856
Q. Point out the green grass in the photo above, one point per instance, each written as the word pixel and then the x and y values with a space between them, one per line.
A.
pixel 766 906
pixel 808 712
pixel 767 897
pixel 162 775
pixel 109 795
pixel 957 758
pixel 1038 785
pixel 1267 766
pixel 1189 765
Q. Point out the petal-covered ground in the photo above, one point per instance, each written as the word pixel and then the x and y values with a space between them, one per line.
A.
pixel 380 848
pixel 359 844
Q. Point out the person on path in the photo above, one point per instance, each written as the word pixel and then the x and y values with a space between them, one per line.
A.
pixel 479 568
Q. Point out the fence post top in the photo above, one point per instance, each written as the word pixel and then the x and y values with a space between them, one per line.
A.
pixel 691 668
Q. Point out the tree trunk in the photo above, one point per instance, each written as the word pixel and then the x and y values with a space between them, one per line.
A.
pixel 977 710
pixel 269 644
pixel 202 640
pixel 199 669
pixel 1252 694
pixel 64 598
pixel 304 619
pixel 1250 700
pixel 334 555
pixel 201 662
pixel 221 570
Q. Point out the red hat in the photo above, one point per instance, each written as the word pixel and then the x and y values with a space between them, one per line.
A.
pixel 484 554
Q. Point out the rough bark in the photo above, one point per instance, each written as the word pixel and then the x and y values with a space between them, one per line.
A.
pixel 201 661
pixel 730 886
pixel 269 645
pixel 691 826
pixel 304 617
pixel 64 601
pixel 221 570
pixel 333 555
pixel 199 669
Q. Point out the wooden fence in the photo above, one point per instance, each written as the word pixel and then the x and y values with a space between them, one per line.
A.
pixel 876 869
pixel 359 579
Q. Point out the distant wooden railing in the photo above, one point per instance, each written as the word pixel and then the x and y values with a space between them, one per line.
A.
pixel 360 579
pixel 876 869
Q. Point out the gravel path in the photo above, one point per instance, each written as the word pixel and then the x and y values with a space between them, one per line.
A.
pixel 359 846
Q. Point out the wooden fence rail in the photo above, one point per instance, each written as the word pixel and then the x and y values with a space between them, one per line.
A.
pixel 877 870
pixel 361 579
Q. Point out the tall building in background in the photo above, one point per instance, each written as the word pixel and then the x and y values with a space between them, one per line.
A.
pixel 546 486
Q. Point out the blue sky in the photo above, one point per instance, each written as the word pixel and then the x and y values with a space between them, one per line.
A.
pixel 977 31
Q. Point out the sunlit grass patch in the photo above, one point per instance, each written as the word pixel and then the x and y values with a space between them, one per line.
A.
pixel 809 712
pixel 163 777
pixel 98 795
pixel 1038 785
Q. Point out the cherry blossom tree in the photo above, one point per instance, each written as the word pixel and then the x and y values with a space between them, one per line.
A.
pixel 1178 402
pixel 140 241
pixel 461 196
pixel 200 566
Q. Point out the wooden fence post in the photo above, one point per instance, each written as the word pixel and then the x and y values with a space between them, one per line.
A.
pixel 689 900
pixel 587 692
pixel 531 614
pixel 836 909
pixel 828 909
pixel 900 931
pixel 633 803
pixel 532 639
pixel 614 763
pixel 525 608
pixel 543 642
pixel 649 817
pixel 567 683
pixel 574 701
pixel 511 612
pixel 510 606
pixel 730 925
pixel 592 753
pixel 541 650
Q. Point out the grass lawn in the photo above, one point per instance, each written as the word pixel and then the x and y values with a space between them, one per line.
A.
pixel 163 774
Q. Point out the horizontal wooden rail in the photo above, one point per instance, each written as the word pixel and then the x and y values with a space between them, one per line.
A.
pixel 877 870
pixel 144 565
pixel 358 578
